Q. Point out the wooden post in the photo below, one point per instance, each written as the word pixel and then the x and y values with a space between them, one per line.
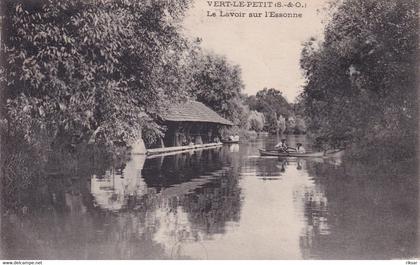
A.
pixel 175 137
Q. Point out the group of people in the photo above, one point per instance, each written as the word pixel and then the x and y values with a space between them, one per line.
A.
pixel 282 147
pixel 234 138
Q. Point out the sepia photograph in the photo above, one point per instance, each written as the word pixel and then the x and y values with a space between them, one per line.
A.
pixel 209 130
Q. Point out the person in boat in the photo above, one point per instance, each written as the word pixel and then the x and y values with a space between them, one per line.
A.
pixel 300 149
pixel 282 146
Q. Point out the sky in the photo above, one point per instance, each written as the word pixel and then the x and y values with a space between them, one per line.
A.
pixel 267 49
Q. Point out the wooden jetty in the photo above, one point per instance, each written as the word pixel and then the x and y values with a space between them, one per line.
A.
pixel 155 152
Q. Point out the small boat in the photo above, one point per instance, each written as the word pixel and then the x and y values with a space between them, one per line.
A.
pixel 296 154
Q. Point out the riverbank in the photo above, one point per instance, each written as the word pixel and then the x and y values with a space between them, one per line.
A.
pixel 384 151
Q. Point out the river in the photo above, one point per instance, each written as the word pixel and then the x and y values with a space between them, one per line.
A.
pixel 222 203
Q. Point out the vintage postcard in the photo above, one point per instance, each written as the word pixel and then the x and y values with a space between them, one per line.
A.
pixel 209 130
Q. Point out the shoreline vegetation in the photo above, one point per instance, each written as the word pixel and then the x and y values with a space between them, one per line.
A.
pixel 362 78
pixel 103 72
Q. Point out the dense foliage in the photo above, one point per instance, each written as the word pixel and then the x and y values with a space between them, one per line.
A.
pixel 218 83
pixel 362 77
pixel 279 115
pixel 106 70
pixel 91 68
pixel 256 121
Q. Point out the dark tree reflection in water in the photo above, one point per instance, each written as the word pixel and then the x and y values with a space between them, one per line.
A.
pixel 369 211
pixel 225 203
pixel 204 184
pixel 51 213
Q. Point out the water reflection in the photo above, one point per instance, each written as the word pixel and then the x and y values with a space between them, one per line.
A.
pixel 371 211
pixel 225 203
pixel 117 186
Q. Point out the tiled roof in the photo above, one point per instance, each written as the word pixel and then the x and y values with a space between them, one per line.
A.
pixel 193 111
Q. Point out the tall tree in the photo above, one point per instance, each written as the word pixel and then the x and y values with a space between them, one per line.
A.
pixel 218 84
pixel 273 105
pixel 91 66
pixel 362 77
pixel 272 100
pixel 256 121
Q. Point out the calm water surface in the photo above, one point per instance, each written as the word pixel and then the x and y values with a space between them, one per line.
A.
pixel 224 203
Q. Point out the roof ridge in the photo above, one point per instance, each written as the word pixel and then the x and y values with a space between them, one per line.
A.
pixel 193 111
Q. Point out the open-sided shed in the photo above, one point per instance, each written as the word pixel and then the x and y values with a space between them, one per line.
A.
pixel 191 122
